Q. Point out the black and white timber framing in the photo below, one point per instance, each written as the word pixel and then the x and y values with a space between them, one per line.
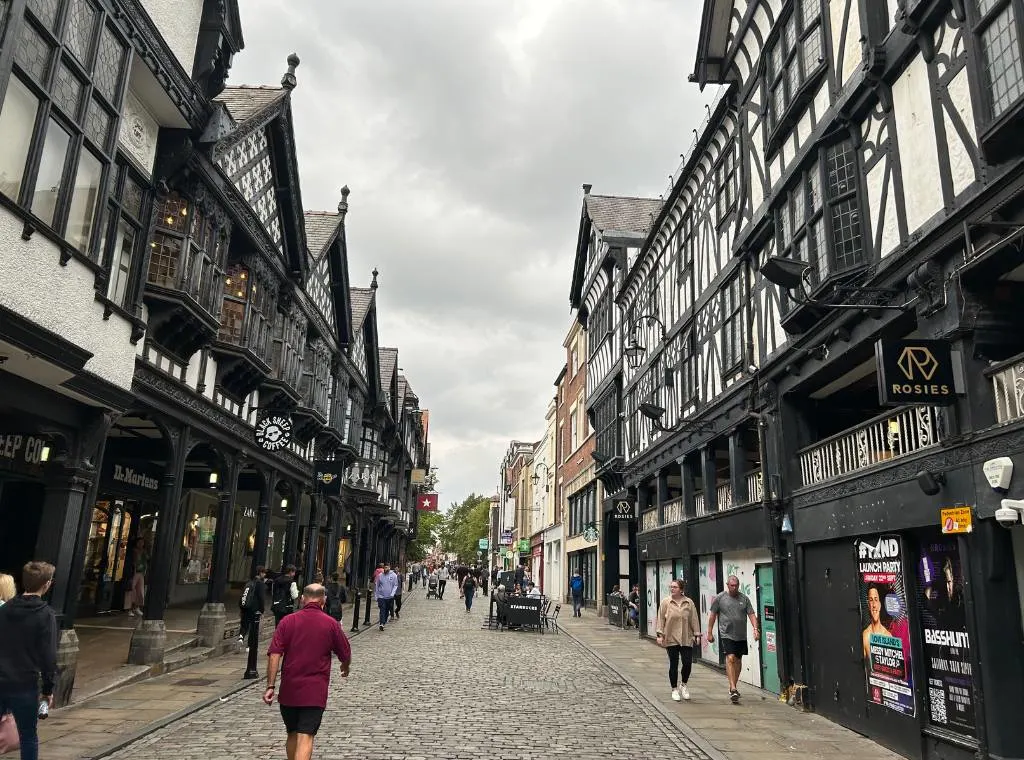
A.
pixel 873 140
pixel 163 290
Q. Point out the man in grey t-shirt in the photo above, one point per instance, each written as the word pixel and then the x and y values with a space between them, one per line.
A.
pixel 731 609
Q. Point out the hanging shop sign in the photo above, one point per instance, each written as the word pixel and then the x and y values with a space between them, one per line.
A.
pixel 957 520
pixel 506 538
pixel 947 644
pixel 482 544
pixel 590 533
pixel 523 547
pixel 427 502
pixel 22 448
pixel 131 478
pixel 623 511
pixel 915 372
pixel 273 432
pixel 418 476
pixel 886 634
pixel 327 476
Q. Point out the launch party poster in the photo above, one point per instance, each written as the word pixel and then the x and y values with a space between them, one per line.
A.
pixel 886 632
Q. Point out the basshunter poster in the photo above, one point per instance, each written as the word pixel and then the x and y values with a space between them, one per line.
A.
pixel 947 645
pixel 886 628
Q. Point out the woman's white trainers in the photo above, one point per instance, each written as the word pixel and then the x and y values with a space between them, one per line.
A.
pixel 685 692
pixel 675 695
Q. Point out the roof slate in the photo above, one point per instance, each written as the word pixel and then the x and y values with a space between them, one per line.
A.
pixel 388 363
pixel 609 212
pixel 361 299
pixel 245 101
pixel 320 228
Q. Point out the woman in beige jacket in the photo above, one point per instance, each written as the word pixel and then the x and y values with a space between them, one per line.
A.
pixel 678 628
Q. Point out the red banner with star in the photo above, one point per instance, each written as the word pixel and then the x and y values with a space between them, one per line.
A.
pixel 427 502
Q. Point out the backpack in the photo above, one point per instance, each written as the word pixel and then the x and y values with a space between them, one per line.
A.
pixel 249 600
pixel 576 584
pixel 470 582
pixel 334 600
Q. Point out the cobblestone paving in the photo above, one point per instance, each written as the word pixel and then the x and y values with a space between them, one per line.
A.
pixel 434 685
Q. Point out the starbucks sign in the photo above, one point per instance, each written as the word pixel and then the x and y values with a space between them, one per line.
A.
pixel 274 432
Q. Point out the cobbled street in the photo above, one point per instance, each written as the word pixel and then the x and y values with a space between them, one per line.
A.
pixel 436 685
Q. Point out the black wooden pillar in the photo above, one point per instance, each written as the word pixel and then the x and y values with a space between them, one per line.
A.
pixel 63 503
pixel 222 538
pixel 738 467
pixel 268 494
pixel 688 486
pixel 331 538
pixel 164 561
pixel 291 529
pixel 707 470
pixel 312 534
pixel 661 489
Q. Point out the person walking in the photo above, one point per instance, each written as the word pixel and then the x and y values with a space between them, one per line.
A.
pixel 336 597
pixel 576 588
pixel 285 592
pixel 677 631
pixel 731 610
pixel 468 589
pixel 252 603
pixel 398 593
pixel 28 656
pixel 384 589
pixel 305 640
pixel 442 580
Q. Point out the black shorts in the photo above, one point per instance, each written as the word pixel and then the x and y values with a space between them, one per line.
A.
pixel 731 646
pixel 302 720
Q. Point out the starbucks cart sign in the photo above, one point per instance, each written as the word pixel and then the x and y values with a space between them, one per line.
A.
pixel 274 432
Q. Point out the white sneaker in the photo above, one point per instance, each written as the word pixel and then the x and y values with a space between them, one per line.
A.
pixel 685 692
pixel 675 695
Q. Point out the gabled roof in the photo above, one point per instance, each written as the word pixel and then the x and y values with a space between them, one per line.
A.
pixel 321 227
pixel 388 364
pixel 245 101
pixel 362 299
pixel 606 214
pixel 622 213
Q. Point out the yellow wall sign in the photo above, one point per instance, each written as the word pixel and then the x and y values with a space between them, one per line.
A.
pixel 957 520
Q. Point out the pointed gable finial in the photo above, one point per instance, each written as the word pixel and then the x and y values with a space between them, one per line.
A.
pixel 343 203
pixel 288 81
pixel 586 188
pixel 373 285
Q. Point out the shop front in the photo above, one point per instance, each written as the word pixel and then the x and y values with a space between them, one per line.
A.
pixel 554 582
pixel 121 534
pixel 584 562
pixel 662 560
pixel 537 559
pixel 23 459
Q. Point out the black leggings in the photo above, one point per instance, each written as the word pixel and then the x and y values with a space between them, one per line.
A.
pixel 674 653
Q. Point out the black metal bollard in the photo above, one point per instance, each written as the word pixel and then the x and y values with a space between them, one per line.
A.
pixel 355 614
pixel 369 595
pixel 254 645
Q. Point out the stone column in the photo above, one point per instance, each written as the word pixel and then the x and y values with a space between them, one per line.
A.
pixel 213 616
pixel 150 639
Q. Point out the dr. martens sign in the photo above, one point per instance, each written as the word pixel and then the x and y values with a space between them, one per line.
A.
pixel 915 372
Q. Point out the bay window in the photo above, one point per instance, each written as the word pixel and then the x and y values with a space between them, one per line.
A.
pixel 794 57
pixel 127 220
pixel 733 328
pixel 59 117
pixel 819 221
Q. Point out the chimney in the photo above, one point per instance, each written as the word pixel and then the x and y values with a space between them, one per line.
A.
pixel 586 189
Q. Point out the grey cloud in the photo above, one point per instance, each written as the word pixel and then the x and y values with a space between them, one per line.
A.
pixel 465 129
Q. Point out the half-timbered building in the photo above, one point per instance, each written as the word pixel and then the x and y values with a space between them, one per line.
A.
pixel 845 230
pixel 180 343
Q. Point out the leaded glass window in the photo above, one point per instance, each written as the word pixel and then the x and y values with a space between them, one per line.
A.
pixel 59 116
pixel 997 39
pixel 733 328
pixel 127 208
pixel 796 54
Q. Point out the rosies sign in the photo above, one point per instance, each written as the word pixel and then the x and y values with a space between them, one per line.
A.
pixel 273 432
pixel 915 372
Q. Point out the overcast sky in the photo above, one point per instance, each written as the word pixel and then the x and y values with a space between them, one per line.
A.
pixel 465 129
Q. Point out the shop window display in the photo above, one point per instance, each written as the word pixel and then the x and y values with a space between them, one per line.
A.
pixel 197 544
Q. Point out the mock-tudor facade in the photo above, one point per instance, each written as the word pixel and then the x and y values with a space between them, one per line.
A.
pixel 179 339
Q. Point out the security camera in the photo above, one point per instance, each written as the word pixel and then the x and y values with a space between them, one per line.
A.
pixel 1010 513
pixel 998 472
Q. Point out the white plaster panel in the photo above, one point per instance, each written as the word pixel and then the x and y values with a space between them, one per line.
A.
pixel 960 156
pixel 890 231
pixel 192 373
pixel 138 133
pixel 822 101
pixel 804 128
pixel 62 300
pixel 211 377
pixel 178 23
pixel 850 52
pixel 919 156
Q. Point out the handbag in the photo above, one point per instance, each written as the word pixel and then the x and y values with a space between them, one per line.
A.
pixel 9 740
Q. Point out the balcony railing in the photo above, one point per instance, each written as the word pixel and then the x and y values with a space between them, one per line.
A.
pixel 1008 387
pixel 364 474
pixel 673 511
pixel 698 502
pixel 723 497
pixel 888 436
pixel 755 487
pixel 649 520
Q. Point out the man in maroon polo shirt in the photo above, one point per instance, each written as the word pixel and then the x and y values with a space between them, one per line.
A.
pixel 306 639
